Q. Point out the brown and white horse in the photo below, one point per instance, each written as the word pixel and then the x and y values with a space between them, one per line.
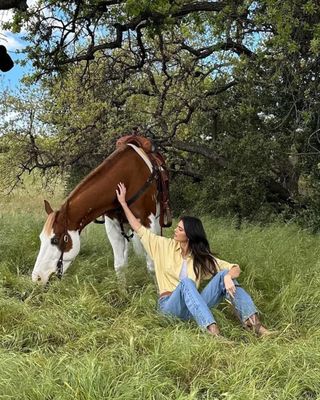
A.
pixel 93 197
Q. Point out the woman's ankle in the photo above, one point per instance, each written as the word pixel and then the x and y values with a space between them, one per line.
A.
pixel 213 329
pixel 254 325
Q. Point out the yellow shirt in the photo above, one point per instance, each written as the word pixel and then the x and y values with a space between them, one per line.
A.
pixel 167 258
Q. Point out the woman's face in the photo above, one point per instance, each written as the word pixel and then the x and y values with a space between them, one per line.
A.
pixel 179 233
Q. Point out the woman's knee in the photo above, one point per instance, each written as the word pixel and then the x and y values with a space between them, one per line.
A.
pixel 220 274
pixel 187 282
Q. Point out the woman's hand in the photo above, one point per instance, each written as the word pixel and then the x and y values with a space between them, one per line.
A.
pixel 229 285
pixel 121 193
pixel 234 272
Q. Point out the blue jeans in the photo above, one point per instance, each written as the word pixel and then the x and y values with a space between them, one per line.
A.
pixel 186 302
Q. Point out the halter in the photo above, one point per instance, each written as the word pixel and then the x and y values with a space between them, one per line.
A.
pixel 61 243
pixel 59 272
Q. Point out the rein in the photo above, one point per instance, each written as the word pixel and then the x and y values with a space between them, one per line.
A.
pixel 140 192
pixel 131 200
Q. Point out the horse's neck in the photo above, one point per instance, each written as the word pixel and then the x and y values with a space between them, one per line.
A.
pixel 87 206
pixel 91 198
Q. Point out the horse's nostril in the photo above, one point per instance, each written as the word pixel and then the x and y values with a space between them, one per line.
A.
pixel 39 279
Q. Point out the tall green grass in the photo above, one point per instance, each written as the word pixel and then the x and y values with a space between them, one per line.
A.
pixel 87 337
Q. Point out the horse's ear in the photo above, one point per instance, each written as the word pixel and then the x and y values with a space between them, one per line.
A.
pixel 47 207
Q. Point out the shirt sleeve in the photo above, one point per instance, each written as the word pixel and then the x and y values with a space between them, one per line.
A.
pixel 221 265
pixel 154 244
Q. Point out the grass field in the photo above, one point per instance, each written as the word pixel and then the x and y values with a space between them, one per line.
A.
pixel 87 338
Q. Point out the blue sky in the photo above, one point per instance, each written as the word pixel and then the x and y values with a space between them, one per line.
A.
pixel 13 44
pixel 12 78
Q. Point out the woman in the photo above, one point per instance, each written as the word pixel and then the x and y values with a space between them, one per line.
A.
pixel 181 263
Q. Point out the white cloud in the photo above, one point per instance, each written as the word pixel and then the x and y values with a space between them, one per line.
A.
pixel 11 41
pixel 5 16
pixel 7 38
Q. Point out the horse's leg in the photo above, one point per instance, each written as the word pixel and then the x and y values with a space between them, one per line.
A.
pixel 119 245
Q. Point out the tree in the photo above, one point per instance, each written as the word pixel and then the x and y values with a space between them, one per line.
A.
pixel 6 62
pixel 18 4
pixel 218 85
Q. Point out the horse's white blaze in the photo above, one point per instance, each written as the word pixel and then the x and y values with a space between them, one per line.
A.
pixel 49 254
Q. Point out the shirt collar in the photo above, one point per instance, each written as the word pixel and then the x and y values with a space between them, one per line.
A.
pixel 178 248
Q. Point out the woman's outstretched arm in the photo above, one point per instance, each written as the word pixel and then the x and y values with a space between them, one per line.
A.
pixel 121 195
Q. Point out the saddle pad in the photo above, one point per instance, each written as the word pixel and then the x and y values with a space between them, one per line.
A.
pixel 142 154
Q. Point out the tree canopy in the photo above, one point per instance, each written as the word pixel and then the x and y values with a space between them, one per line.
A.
pixel 228 89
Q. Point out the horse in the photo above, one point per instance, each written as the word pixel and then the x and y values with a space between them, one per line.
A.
pixel 95 196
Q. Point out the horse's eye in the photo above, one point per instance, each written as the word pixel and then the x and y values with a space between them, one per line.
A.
pixel 54 240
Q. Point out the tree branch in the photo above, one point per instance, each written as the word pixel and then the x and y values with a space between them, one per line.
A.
pixel 203 150
pixel 8 4
pixel 187 172
pixel 204 52
pixel 221 89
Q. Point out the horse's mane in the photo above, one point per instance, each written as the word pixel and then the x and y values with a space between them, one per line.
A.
pixel 107 163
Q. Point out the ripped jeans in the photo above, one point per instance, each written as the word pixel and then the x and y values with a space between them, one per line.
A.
pixel 186 302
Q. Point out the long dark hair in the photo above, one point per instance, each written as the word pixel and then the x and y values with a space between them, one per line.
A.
pixel 203 260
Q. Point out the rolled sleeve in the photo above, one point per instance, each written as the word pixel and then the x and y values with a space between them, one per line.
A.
pixel 224 264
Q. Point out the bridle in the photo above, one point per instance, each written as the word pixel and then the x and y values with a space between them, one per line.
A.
pixel 55 241
pixel 61 242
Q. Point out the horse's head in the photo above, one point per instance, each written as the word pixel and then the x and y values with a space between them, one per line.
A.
pixel 59 246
